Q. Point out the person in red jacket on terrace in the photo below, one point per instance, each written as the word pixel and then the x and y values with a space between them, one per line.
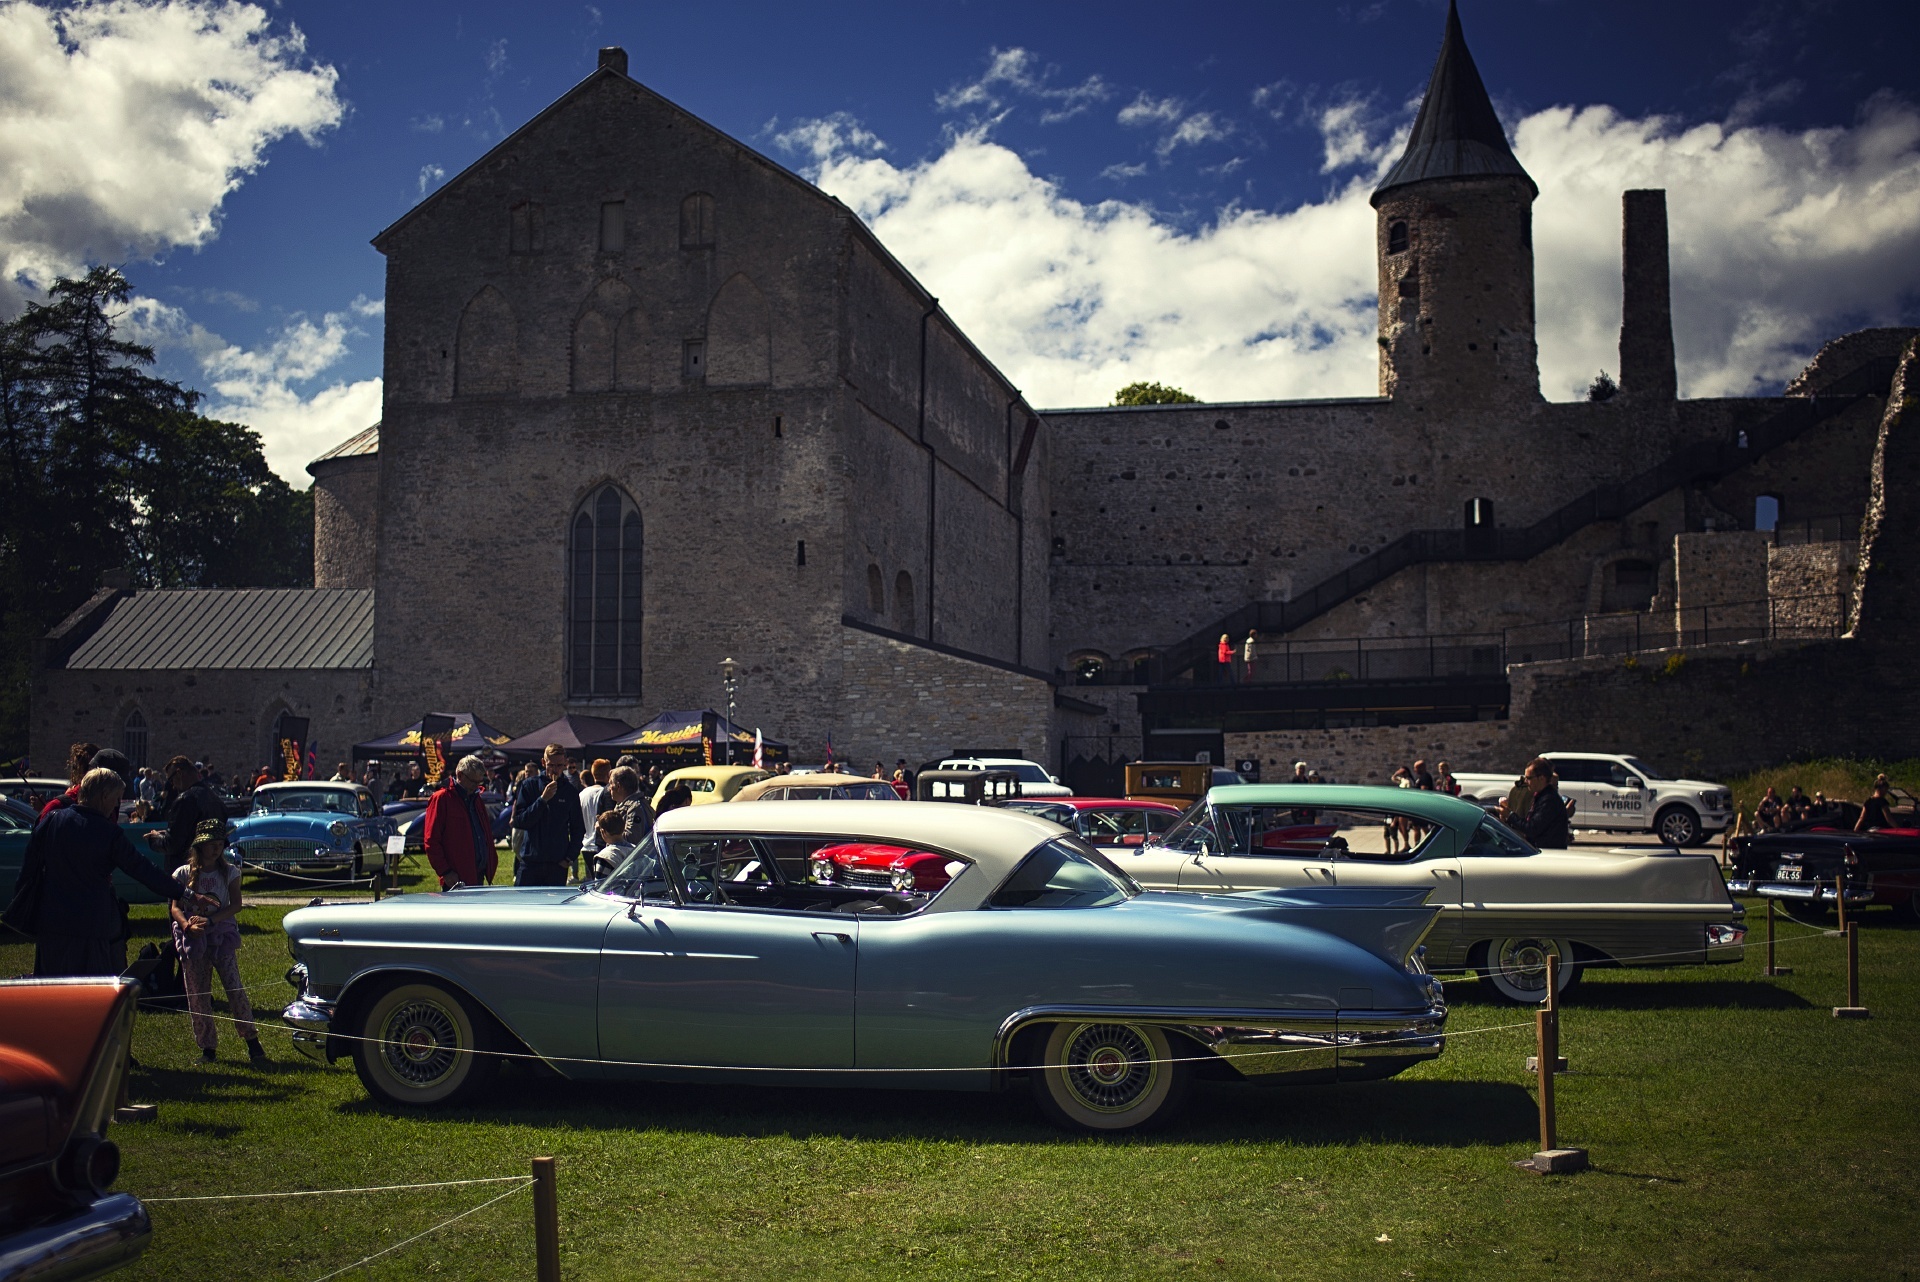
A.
pixel 459 832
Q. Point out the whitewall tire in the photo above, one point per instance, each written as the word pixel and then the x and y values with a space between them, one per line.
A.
pixel 424 1045
pixel 1516 968
pixel 1110 1076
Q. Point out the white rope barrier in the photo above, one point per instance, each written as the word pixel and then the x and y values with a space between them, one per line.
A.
pixel 525 1183
pixel 371 1188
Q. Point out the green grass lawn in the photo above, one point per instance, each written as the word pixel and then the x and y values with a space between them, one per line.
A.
pixel 1737 1130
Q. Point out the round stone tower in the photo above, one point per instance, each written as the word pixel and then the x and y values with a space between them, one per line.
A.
pixel 1455 251
pixel 346 511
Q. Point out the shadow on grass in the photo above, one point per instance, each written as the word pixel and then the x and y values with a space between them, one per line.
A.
pixel 1706 994
pixel 1431 1113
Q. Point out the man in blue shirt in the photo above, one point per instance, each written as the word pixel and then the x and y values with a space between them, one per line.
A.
pixel 547 809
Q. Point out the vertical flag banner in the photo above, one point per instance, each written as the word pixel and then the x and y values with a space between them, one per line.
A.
pixel 759 751
pixel 436 734
pixel 292 746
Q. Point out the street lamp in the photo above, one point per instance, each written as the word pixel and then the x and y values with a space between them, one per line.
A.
pixel 727 668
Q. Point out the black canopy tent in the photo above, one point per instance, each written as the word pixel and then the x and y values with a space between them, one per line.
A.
pixel 469 734
pixel 691 738
pixel 572 732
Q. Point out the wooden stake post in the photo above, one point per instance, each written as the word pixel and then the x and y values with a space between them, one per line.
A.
pixel 1853 1009
pixel 1771 968
pixel 1551 1159
pixel 546 1221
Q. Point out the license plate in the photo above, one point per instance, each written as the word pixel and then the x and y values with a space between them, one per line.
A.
pixel 1788 874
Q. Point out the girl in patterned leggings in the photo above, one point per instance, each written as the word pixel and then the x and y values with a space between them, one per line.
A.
pixel 211 942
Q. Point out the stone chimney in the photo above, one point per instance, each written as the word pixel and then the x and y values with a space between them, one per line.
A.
pixel 614 58
pixel 1646 312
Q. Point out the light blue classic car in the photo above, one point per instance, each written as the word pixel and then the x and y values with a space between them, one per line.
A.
pixel 325 830
pixel 710 953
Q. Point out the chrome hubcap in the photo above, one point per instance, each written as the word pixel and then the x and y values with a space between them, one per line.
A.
pixel 1109 1067
pixel 1524 963
pixel 420 1043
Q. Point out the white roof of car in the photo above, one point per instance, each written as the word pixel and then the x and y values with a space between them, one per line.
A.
pixel 992 839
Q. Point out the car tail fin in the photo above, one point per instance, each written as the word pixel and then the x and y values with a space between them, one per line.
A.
pixel 1387 921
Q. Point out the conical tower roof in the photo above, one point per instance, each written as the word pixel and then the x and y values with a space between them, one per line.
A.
pixel 1457 134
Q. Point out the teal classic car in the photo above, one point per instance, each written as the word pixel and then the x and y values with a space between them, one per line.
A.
pixel 16 825
pixel 1504 906
pixel 711 953
pixel 320 830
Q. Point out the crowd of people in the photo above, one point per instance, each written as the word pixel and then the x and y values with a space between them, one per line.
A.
pixel 1774 812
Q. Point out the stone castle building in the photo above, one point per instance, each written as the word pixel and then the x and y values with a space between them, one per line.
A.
pixel 652 401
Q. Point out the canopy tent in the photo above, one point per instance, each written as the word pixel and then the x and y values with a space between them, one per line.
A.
pixel 694 738
pixel 469 734
pixel 571 732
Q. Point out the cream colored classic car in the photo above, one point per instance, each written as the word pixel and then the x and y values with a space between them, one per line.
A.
pixel 1504 906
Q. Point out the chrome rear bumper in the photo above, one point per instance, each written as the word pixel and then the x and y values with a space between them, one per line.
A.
pixel 1265 1044
pixel 106 1235
pixel 1859 891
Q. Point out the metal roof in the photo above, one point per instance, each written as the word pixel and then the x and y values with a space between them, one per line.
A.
pixel 1457 134
pixel 220 628
pixel 360 443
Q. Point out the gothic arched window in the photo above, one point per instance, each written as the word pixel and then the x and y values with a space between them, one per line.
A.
pixel 603 597
pixel 133 738
pixel 1396 238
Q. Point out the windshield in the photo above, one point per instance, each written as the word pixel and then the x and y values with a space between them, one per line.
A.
pixel 638 874
pixel 304 800
pixel 1024 771
pixel 1193 832
pixel 1065 873
pixel 1643 769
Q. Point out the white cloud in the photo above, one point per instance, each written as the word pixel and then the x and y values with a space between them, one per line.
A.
pixel 124 125
pixel 1780 241
pixel 825 138
pixel 1015 73
pixel 1177 126
pixel 272 389
pixel 431 176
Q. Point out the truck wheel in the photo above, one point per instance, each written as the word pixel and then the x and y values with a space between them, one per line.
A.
pixel 1110 1077
pixel 1677 826
pixel 424 1045
pixel 1516 968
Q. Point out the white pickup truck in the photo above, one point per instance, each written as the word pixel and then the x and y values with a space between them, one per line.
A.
pixel 1622 794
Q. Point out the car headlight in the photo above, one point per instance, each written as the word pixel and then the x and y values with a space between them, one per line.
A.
pixel 339 830
pixel 822 870
pixel 903 881
pixel 1711 800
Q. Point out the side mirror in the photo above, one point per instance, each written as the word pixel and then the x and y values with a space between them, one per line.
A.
pixel 1633 783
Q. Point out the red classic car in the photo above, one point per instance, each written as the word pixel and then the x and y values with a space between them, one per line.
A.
pixel 872 865
pixel 63 1052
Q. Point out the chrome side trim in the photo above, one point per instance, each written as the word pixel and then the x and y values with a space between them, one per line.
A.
pixel 1265 1043
pixel 106 1235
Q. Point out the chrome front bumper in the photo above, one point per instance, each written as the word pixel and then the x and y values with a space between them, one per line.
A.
pixel 109 1233
pixel 311 1020
pixel 1265 1044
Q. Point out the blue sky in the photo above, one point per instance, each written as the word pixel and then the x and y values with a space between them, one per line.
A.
pixel 1123 140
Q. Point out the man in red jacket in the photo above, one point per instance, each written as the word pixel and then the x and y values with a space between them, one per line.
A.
pixel 459 832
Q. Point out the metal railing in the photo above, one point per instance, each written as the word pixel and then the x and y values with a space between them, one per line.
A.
pixel 1487 654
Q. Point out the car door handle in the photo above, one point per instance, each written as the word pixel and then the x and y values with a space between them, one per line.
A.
pixel 833 934
pixel 1445 872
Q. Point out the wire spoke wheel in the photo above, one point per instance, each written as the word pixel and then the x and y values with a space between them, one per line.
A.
pixel 421 1046
pixel 1517 968
pixel 1109 1076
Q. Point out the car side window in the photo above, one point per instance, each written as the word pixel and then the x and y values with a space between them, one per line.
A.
pixel 1114 827
pixel 718 870
pixel 1318 832
pixel 1496 839
pixel 367 810
pixel 1064 873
